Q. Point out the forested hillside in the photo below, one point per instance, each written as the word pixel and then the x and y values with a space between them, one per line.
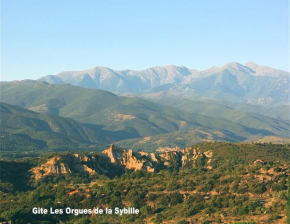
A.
pixel 218 183
pixel 135 119
pixel 24 130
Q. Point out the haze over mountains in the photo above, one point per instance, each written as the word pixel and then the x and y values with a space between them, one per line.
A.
pixel 77 116
pixel 157 107
pixel 250 83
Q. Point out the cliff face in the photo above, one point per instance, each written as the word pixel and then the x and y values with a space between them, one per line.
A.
pixel 70 163
pixel 129 159
pixel 52 166
pixel 114 158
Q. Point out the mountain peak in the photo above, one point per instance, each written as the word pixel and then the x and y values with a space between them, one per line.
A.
pixel 174 69
pixel 182 80
pixel 235 65
pixel 266 71
pixel 238 68
pixel 252 65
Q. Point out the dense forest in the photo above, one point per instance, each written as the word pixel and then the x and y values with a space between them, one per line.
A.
pixel 247 183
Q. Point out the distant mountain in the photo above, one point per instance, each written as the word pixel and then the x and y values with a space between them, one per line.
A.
pixel 280 112
pixel 22 129
pixel 266 71
pixel 251 83
pixel 123 118
pixel 216 109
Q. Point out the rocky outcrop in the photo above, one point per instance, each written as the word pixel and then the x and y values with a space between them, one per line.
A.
pixel 114 154
pixel 52 166
pixel 191 154
pixel 64 164
pixel 114 158
pixel 129 159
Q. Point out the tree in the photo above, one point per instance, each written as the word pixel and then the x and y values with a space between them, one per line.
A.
pixel 83 221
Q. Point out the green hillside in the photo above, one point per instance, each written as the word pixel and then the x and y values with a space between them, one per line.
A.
pixel 277 111
pixel 234 189
pixel 26 130
pixel 241 116
pixel 123 118
pixel 288 203
pixel 174 139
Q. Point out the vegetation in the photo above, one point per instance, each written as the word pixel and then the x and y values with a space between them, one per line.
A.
pixel 288 203
pixel 235 190
pixel 116 118
pixel 240 183
pixel 24 131
pixel 253 116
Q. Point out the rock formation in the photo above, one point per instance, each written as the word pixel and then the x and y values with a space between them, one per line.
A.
pixel 116 159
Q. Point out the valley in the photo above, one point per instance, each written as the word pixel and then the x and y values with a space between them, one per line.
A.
pixel 180 145
pixel 144 112
pixel 76 118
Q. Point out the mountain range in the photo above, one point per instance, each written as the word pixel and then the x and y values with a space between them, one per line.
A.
pixel 250 83
pixel 75 117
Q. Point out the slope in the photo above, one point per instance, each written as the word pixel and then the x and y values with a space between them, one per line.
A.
pixel 22 129
pixel 234 82
pixel 215 109
pixel 121 117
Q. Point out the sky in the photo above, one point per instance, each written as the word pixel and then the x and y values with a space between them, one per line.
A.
pixel 49 36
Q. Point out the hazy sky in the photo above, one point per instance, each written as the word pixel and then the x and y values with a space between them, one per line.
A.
pixel 41 37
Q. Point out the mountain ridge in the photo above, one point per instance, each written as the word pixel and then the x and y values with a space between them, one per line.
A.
pixel 44 131
pixel 235 82
pixel 123 118
pixel 252 65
